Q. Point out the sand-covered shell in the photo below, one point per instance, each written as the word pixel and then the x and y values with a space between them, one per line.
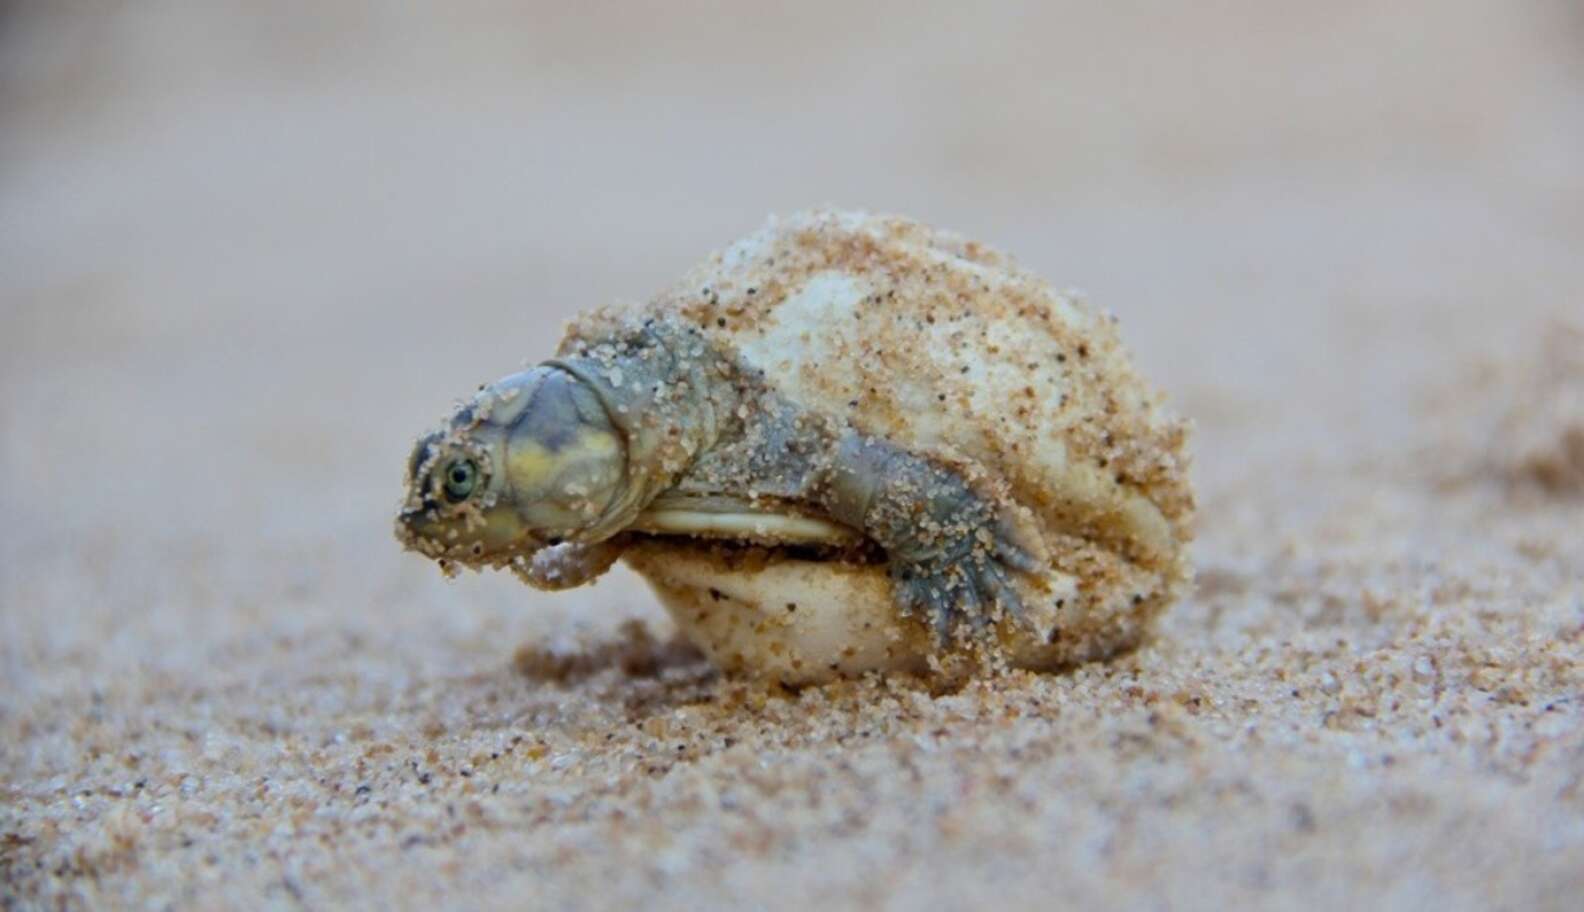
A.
pixel 949 349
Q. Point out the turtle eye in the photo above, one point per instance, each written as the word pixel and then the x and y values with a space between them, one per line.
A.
pixel 458 479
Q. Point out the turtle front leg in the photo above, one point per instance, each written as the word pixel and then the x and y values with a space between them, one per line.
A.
pixel 951 555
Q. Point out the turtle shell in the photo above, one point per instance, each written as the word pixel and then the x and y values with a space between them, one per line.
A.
pixel 949 349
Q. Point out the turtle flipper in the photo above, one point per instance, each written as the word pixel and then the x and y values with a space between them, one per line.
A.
pixel 953 557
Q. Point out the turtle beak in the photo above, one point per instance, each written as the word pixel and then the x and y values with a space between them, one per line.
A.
pixel 493 536
pixel 417 530
pixel 415 522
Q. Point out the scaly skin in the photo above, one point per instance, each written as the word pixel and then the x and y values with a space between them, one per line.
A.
pixel 671 397
pixel 950 554
pixel 694 421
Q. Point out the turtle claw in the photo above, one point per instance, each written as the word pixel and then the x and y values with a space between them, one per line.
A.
pixel 939 612
pixel 1010 552
pixel 959 599
pixel 1001 593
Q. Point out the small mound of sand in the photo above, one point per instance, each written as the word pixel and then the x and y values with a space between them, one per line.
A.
pixel 1516 422
pixel 636 652
pixel 1540 439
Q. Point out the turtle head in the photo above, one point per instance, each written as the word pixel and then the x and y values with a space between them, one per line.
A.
pixel 531 461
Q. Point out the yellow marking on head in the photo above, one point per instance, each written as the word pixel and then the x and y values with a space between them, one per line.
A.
pixel 531 463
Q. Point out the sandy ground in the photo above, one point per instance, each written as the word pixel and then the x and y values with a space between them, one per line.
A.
pixel 247 253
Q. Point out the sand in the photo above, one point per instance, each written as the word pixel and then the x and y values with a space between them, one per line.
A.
pixel 247 255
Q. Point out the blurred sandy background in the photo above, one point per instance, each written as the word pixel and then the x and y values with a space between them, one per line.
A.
pixel 249 250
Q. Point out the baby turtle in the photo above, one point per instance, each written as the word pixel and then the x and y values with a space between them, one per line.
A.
pixel 861 396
